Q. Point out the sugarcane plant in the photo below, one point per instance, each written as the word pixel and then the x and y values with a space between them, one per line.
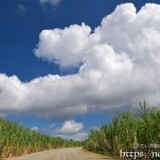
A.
pixel 125 129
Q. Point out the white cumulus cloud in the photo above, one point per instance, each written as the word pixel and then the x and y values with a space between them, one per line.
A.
pixel 120 63
pixel 65 47
pixel 69 127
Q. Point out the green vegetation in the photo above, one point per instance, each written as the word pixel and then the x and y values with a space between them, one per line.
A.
pixel 16 140
pixel 126 129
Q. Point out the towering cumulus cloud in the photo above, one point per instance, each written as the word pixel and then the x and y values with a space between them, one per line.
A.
pixel 120 64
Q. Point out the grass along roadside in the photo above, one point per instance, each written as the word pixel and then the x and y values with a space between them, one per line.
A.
pixel 16 141
pixel 124 130
pixel 110 155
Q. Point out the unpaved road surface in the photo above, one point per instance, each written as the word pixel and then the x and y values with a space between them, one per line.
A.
pixel 63 154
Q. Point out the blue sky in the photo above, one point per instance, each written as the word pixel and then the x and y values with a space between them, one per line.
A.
pixel 27 56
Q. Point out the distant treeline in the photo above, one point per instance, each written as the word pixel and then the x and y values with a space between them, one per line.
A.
pixel 16 140
pixel 124 130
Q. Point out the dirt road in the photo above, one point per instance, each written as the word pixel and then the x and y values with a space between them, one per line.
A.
pixel 63 154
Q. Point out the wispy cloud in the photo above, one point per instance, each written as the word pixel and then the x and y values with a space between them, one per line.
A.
pixel 35 129
pixel 51 2
pixel 21 8
pixel 51 125
pixel 81 136
pixel 49 129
